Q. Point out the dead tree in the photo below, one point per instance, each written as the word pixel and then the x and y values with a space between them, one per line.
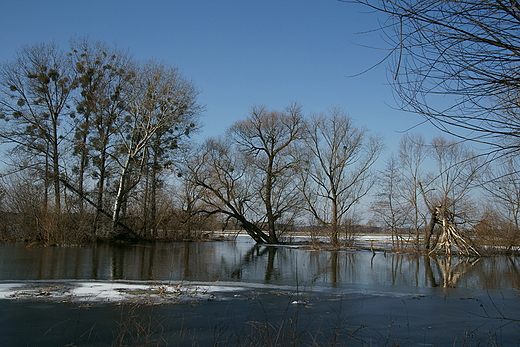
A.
pixel 450 236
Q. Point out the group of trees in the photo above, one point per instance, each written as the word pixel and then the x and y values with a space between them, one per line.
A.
pixel 99 135
pixel 425 180
pixel 276 167
pixel 455 63
pixel 98 147
pixel 445 182
pixel 95 132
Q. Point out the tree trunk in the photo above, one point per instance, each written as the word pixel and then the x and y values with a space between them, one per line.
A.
pixel 269 205
pixel 252 230
pixel 153 197
pixel 56 180
pixel 118 203
pixel 100 191
pixel 431 226
pixel 334 237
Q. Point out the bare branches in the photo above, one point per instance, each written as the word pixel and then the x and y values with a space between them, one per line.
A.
pixel 456 64
pixel 337 173
pixel 267 139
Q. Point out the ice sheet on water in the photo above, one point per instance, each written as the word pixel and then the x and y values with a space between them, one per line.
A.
pixel 101 291
pixel 154 292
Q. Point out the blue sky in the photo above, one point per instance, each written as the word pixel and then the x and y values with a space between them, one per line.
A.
pixel 238 53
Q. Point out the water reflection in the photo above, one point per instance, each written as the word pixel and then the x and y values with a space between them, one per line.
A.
pixel 243 261
pixel 255 254
pixel 447 271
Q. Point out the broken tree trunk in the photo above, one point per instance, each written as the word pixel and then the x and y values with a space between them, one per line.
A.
pixel 450 237
pixel 431 227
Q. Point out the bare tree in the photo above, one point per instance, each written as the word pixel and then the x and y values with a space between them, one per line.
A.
pixel 390 207
pixel 450 203
pixel 177 99
pixel 161 111
pixel 189 204
pixel 226 180
pixel 267 139
pixel 338 172
pixel 35 100
pixel 456 63
pixel 502 185
pixel 24 200
pixel 412 153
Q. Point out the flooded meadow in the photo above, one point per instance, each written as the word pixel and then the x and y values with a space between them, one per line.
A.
pixel 237 293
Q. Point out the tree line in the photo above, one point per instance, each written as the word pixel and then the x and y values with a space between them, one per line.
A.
pixel 92 133
pixel 98 147
pixel 445 178
pixel 455 63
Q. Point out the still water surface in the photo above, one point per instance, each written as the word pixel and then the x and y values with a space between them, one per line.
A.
pixel 243 261
pixel 352 297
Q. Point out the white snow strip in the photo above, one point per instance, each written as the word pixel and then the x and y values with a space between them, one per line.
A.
pixel 103 291
pixel 87 292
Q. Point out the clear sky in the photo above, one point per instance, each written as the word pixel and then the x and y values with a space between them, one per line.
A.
pixel 238 53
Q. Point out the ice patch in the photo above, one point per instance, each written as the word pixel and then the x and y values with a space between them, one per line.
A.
pixel 104 291
pixel 86 292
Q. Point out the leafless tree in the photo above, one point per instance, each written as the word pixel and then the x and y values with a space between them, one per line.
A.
pixel 502 185
pixel 188 197
pixel 338 173
pixel 412 154
pixel 227 185
pixel 160 112
pixel 267 139
pixel 389 206
pixel 456 63
pixel 450 203
pixel 35 100
pixel 24 202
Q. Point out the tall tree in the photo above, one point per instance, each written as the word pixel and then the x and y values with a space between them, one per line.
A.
pixel 389 207
pixel 161 109
pixel 338 173
pixel 103 75
pixel 267 139
pixel 177 100
pixel 35 100
pixel 412 154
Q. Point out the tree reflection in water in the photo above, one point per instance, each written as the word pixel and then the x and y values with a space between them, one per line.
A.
pixel 247 262
pixel 445 271
pixel 256 253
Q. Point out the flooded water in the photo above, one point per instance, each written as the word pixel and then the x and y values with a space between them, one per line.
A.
pixel 354 296
pixel 243 261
